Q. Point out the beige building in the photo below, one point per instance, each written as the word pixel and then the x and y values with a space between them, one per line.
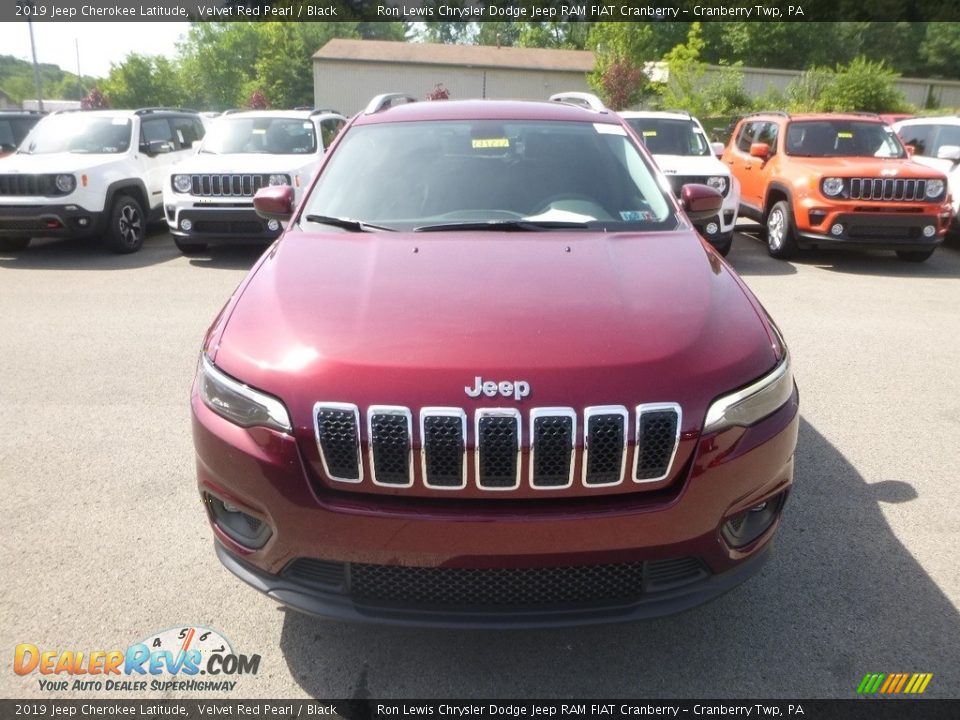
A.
pixel 347 73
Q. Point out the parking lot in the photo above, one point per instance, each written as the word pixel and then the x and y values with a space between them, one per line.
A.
pixel 106 541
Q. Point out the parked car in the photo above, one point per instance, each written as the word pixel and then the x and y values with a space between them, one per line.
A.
pixel 490 375
pixel 935 142
pixel 684 153
pixel 14 126
pixel 836 180
pixel 93 174
pixel 209 199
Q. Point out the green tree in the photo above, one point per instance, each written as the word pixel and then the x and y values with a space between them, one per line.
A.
pixel 686 74
pixel 940 49
pixel 143 81
pixel 863 85
pixel 217 62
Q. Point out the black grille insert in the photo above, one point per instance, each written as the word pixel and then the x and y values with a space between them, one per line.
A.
pixel 657 436
pixel 887 189
pixel 605 445
pixel 228 185
pixel 29 184
pixel 552 439
pixel 390 447
pixel 498 443
pixel 338 440
pixel 443 450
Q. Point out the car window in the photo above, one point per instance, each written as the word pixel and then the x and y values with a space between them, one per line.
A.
pixel 329 129
pixel 13 130
pixel 745 138
pixel 411 174
pixel 767 133
pixel 187 131
pixel 157 130
pixel 668 136
pixel 76 133
pixel 842 138
pixel 270 135
pixel 928 139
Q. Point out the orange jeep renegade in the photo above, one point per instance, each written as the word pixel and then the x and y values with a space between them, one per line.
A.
pixel 819 180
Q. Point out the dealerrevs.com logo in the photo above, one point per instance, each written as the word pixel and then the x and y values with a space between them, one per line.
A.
pixel 189 658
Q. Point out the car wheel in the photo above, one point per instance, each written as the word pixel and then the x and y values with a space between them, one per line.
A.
pixel 12 244
pixel 914 255
pixel 128 226
pixel 723 245
pixel 781 240
pixel 189 248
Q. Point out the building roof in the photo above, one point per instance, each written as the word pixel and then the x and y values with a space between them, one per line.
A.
pixel 462 55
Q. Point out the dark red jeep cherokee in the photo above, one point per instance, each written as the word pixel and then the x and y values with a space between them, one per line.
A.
pixel 491 376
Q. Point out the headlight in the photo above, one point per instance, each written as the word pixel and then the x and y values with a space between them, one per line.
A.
pixel 718 183
pixel 239 403
pixel 279 180
pixel 754 402
pixel 182 183
pixel 934 188
pixel 832 186
pixel 66 183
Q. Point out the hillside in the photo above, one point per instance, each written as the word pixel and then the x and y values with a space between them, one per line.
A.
pixel 16 80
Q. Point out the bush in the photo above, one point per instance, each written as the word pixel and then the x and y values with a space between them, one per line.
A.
pixel 862 85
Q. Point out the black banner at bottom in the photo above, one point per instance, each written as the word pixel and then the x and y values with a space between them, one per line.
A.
pixel 855 709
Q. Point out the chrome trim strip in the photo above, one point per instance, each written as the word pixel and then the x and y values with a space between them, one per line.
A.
pixel 641 411
pixel 588 413
pixel 497 412
pixel 568 412
pixel 443 412
pixel 356 424
pixel 390 410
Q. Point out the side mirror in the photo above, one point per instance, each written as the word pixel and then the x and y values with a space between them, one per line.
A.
pixel 274 203
pixel 156 147
pixel 760 150
pixel 717 148
pixel 700 202
pixel 949 152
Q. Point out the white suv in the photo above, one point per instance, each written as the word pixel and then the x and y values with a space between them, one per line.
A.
pixel 93 173
pixel 210 197
pixel 936 143
pixel 683 151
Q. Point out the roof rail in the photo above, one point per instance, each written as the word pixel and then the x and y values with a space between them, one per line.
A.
pixel 148 110
pixel 680 112
pixel 386 100
pixel 781 113
pixel 580 99
pixel 862 113
pixel 319 111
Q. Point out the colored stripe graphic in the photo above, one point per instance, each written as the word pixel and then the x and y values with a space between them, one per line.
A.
pixel 894 683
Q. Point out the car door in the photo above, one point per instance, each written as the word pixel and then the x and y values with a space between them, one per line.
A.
pixel 742 164
pixel 159 150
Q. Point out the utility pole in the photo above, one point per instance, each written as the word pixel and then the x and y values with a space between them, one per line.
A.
pixel 36 68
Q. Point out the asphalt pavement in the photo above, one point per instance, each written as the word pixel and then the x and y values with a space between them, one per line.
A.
pixel 105 540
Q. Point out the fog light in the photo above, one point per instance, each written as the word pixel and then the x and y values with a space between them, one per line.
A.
pixel 240 527
pixel 929 231
pixel 186 225
pixel 837 229
pixel 273 225
pixel 83 222
pixel 712 228
pixel 745 527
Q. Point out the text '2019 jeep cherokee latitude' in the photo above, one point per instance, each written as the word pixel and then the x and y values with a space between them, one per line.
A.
pixel 490 375
pixel 836 180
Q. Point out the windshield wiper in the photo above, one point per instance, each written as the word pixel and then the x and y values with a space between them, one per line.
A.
pixel 523 225
pixel 347 223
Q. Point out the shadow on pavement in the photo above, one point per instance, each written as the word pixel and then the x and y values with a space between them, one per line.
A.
pixel 90 254
pixel 228 257
pixel 841 596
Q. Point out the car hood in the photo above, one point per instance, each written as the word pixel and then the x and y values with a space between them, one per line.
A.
pixel 56 162
pixel 863 167
pixel 412 319
pixel 691 165
pixel 207 163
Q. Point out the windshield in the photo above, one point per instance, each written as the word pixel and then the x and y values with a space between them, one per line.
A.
pixel 12 132
pixel 843 138
pixel 415 175
pixel 76 133
pixel 273 136
pixel 664 136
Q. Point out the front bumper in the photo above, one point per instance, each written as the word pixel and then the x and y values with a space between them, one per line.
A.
pixel 262 474
pixel 871 227
pixel 236 224
pixel 67 220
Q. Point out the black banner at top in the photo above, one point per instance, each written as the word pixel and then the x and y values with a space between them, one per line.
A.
pixel 482 10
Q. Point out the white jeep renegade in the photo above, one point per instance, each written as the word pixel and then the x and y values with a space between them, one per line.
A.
pixel 209 198
pixel 93 174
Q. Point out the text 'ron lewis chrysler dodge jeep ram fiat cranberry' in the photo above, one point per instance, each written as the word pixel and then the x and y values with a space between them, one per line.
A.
pixel 491 376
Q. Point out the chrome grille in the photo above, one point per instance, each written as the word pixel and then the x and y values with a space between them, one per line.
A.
pixel 228 185
pixel 497 587
pixel 657 436
pixel 887 189
pixel 498 443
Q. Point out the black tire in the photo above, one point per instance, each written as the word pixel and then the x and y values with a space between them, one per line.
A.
pixel 781 236
pixel 189 248
pixel 723 245
pixel 13 244
pixel 128 225
pixel 917 256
